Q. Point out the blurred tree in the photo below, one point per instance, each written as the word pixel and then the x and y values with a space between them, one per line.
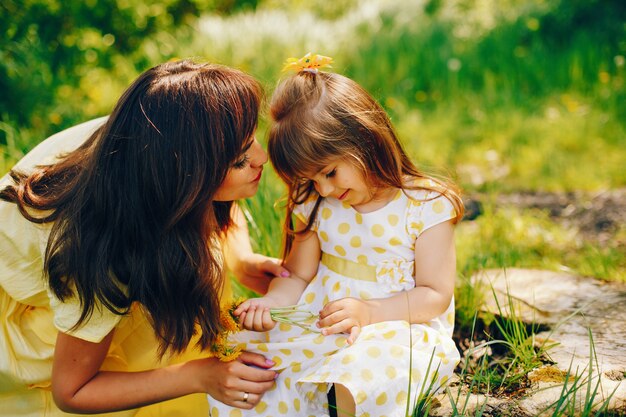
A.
pixel 47 45
pixel 602 18
pixel 323 9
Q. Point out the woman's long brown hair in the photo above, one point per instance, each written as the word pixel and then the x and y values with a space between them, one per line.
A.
pixel 132 210
pixel 319 117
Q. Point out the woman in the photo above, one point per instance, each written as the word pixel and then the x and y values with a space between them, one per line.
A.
pixel 111 252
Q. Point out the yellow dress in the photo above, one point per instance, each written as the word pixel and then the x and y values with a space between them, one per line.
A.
pixel 364 255
pixel 30 315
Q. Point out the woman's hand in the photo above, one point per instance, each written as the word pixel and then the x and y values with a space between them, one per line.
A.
pixel 254 314
pixel 346 315
pixel 255 271
pixel 240 383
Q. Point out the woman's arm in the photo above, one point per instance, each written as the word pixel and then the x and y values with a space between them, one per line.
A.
pixel 435 273
pixel 79 386
pixel 302 262
pixel 251 269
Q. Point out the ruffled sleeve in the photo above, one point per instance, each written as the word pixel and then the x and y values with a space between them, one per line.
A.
pixel 66 313
pixel 427 209
pixel 303 212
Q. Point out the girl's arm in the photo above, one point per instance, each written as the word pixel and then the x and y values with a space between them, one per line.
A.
pixel 302 262
pixel 79 386
pixel 251 269
pixel 435 272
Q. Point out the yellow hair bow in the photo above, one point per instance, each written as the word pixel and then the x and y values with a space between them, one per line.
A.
pixel 309 62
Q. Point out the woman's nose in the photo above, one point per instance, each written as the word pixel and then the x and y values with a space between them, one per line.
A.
pixel 258 156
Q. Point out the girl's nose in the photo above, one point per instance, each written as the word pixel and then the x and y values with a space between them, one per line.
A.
pixel 323 188
pixel 258 156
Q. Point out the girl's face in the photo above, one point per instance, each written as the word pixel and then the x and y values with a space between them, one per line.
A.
pixel 242 180
pixel 342 180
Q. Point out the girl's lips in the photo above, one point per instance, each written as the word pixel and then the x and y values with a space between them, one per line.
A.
pixel 258 177
pixel 342 196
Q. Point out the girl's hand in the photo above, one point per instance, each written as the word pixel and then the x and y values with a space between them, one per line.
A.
pixel 229 382
pixel 346 315
pixel 254 314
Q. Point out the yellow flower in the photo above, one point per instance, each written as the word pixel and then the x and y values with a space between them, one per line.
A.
pixel 218 343
pixel 228 353
pixel 221 348
pixel 228 321
pixel 309 62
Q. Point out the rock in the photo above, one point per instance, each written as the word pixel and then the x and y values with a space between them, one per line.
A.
pixel 575 308
pixel 586 320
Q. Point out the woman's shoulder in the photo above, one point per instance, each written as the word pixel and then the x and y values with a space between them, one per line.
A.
pixel 50 149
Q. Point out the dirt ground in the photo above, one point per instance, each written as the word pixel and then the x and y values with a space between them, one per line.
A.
pixel 598 217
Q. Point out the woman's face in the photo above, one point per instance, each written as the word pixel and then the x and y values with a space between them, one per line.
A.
pixel 242 180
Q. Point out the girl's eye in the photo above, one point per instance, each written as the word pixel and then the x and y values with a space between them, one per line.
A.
pixel 331 173
pixel 241 163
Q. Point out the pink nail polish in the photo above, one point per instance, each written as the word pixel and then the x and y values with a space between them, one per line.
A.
pixel 269 362
pixel 284 274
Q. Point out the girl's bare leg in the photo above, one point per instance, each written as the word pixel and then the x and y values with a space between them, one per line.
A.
pixel 345 402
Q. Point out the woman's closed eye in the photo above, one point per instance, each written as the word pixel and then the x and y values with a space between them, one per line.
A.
pixel 242 162
pixel 331 173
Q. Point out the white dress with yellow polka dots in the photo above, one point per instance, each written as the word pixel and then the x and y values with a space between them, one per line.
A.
pixel 365 255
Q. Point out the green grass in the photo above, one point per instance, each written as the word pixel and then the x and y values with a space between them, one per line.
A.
pixel 549 148
pixel 510 237
pixel 265 214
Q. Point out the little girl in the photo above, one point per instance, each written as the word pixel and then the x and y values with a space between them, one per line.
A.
pixel 372 252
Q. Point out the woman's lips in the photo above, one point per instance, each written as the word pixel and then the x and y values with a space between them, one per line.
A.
pixel 342 196
pixel 258 177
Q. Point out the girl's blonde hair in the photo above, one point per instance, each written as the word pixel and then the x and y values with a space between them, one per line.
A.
pixel 321 116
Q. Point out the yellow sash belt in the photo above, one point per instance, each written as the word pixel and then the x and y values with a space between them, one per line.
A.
pixel 362 272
